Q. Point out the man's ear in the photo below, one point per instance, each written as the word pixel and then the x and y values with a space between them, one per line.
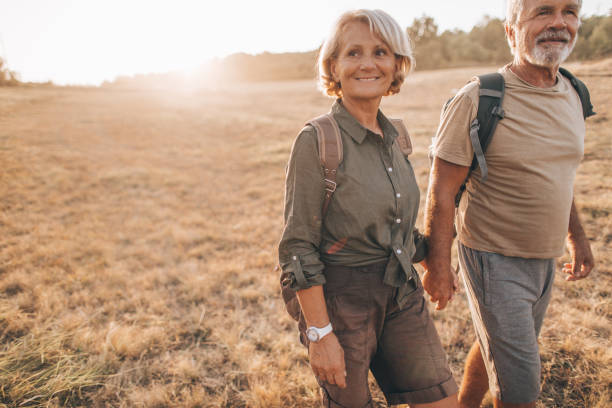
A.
pixel 510 35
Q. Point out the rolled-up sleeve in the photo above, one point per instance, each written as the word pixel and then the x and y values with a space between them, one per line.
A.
pixel 298 250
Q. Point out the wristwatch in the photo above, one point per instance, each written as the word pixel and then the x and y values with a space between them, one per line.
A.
pixel 315 334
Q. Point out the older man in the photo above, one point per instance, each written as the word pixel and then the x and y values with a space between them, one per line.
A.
pixel 511 226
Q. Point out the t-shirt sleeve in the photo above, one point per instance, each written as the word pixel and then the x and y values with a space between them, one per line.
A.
pixel 452 142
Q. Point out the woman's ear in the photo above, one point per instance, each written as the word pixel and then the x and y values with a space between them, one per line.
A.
pixel 332 70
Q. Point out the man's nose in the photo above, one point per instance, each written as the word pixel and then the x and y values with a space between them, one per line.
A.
pixel 558 21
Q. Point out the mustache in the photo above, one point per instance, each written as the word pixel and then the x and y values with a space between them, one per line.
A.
pixel 554 35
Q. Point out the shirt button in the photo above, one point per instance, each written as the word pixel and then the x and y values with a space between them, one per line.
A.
pixel 398 195
pixel 390 169
pixel 399 251
pixel 398 220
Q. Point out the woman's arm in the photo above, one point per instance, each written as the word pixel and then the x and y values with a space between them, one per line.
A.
pixel 299 252
pixel 298 249
pixel 326 355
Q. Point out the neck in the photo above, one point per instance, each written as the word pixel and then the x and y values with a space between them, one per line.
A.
pixel 365 111
pixel 536 75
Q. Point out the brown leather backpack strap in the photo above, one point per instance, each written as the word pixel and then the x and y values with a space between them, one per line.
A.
pixel 330 155
pixel 330 152
pixel 403 138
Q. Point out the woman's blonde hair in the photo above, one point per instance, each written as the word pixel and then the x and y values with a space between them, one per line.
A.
pixel 382 25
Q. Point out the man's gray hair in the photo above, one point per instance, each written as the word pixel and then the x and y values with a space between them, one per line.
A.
pixel 514 8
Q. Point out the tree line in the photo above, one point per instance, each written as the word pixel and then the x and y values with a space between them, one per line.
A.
pixel 484 44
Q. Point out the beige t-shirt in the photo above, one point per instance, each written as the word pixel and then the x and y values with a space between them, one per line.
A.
pixel 523 207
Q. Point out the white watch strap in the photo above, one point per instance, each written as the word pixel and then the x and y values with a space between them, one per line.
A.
pixel 324 331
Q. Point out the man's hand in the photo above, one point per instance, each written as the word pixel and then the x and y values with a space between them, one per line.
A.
pixel 440 280
pixel 327 360
pixel 579 249
pixel 582 258
pixel 441 286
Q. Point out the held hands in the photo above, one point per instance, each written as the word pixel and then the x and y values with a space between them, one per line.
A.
pixel 327 360
pixel 440 285
pixel 582 258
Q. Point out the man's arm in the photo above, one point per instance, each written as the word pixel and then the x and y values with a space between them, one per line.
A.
pixel 327 355
pixel 444 182
pixel 579 249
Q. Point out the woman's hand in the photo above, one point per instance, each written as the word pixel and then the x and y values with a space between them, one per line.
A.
pixel 441 286
pixel 326 355
pixel 327 360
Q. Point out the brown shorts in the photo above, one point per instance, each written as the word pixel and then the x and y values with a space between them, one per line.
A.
pixel 401 347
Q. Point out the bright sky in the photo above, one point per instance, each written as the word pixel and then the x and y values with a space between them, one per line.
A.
pixel 89 41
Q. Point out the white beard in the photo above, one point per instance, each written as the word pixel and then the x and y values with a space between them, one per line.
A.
pixel 549 56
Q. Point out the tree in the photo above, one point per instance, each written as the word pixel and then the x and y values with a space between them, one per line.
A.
pixel 601 39
pixel 423 29
pixel 7 77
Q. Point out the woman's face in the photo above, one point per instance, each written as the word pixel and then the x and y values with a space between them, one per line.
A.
pixel 365 66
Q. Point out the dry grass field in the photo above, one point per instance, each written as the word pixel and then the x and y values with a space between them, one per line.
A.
pixel 137 242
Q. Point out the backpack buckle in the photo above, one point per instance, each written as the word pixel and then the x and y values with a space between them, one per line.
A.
pixel 474 126
pixel 330 185
pixel 498 111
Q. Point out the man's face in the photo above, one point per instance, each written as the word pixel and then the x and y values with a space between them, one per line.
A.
pixel 546 31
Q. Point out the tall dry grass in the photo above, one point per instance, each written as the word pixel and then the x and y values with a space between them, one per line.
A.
pixel 138 232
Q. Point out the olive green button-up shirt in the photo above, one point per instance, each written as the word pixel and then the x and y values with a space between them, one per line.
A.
pixel 371 215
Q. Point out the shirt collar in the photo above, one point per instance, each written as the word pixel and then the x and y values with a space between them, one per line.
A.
pixel 350 125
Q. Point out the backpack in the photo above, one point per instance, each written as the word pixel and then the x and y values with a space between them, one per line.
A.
pixel 490 112
pixel 330 155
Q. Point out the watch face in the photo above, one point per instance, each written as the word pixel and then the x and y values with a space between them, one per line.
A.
pixel 312 335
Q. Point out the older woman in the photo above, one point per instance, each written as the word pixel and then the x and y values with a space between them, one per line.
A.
pixel 351 266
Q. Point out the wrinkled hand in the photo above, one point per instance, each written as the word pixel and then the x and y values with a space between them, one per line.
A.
pixel 441 286
pixel 327 360
pixel 582 259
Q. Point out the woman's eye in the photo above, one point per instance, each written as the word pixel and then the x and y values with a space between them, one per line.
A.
pixel 381 52
pixel 352 53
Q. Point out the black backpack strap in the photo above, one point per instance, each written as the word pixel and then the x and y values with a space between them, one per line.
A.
pixel 482 128
pixel 330 152
pixel 583 92
pixel 490 111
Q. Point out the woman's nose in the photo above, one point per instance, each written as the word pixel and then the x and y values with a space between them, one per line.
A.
pixel 367 62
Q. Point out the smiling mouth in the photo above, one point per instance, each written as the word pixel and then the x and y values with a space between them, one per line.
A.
pixel 554 40
pixel 367 79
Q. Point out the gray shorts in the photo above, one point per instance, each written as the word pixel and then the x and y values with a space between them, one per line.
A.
pixel 508 297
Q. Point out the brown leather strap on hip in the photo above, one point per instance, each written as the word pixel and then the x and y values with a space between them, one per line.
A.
pixel 403 138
